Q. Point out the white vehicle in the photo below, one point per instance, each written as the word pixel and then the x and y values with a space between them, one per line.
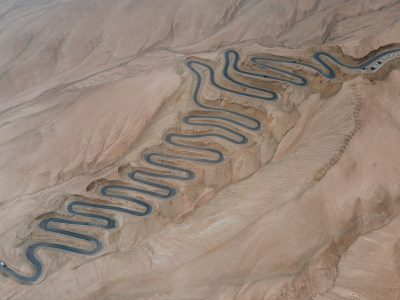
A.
pixel 2 264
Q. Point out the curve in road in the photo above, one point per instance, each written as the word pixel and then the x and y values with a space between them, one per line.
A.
pixel 160 160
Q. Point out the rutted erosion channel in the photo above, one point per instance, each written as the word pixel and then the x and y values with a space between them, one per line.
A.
pixel 227 133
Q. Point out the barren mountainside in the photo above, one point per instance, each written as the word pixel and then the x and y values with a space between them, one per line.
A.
pixel 199 149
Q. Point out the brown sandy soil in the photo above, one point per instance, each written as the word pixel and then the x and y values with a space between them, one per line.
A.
pixel 308 209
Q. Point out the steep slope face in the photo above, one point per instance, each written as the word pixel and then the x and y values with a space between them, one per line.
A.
pixel 83 99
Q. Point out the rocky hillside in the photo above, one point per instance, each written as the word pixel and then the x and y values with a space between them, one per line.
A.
pixel 199 149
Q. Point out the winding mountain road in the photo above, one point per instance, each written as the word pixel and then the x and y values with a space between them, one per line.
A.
pixel 166 162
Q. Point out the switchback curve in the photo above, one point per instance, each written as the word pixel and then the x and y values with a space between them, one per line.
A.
pixel 160 160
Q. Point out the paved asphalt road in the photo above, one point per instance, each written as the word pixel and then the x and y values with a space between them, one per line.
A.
pixel 166 163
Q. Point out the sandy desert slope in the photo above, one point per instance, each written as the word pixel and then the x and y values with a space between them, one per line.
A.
pixel 289 197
